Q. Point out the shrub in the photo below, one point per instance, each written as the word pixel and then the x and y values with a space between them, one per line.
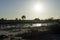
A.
pixel 54 28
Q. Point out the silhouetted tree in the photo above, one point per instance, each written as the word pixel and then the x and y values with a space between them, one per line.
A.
pixel 2 19
pixel 23 17
pixel 19 19
pixel 50 18
pixel 37 19
pixel 16 18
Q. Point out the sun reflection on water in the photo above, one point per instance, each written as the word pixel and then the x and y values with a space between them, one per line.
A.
pixel 37 25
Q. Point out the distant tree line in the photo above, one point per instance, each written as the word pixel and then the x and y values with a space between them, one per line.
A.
pixel 23 17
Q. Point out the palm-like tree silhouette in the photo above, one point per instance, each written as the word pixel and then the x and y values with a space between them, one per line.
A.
pixel 23 17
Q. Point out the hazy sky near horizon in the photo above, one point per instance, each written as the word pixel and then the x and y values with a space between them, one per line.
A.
pixel 12 9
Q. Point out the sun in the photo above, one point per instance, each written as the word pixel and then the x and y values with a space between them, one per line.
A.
pixel 38 7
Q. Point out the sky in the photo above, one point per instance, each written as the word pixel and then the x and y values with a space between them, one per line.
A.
pixel 12 9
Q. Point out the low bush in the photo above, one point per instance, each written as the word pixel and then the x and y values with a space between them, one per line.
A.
pixel 54 28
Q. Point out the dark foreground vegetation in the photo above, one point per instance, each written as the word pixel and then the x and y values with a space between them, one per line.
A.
pixel 53 33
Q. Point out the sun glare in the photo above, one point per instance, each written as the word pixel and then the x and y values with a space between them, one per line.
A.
pixel 38 7
pixel 36 25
